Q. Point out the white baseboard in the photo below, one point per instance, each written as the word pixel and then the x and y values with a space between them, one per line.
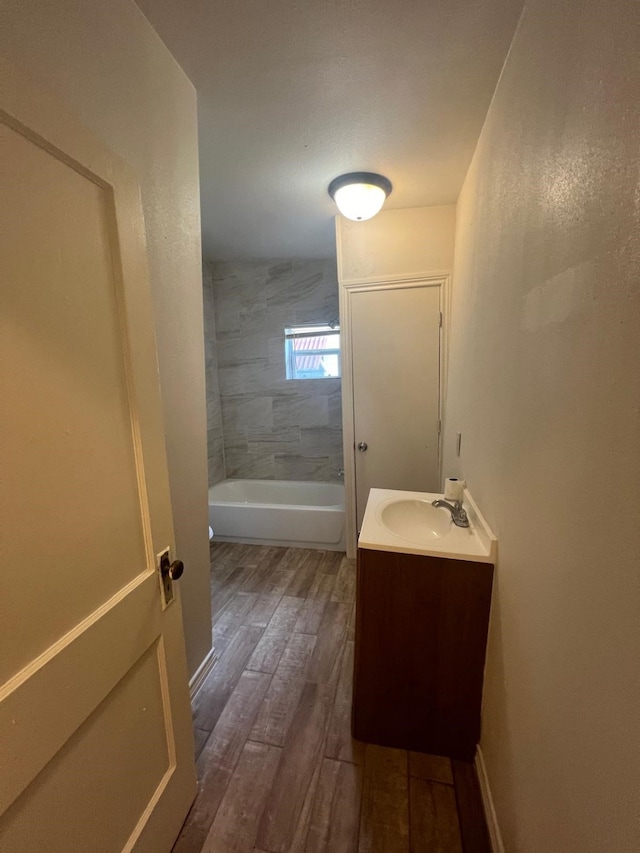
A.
pixel 197 679
pixel 487 801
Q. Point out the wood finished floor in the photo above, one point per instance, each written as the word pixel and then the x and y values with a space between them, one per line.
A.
pixel 278 769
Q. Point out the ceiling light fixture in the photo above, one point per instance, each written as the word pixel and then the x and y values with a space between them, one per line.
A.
pixel 359 195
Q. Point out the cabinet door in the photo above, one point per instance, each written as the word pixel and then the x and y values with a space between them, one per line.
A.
pixel 421 630
pixel 395 345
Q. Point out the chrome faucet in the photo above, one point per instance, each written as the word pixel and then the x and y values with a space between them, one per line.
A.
pixel 458 514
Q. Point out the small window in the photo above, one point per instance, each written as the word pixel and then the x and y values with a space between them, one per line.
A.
pixel 312 352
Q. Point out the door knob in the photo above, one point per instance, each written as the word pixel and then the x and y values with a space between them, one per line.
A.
pixel 169 572
pixel 176 569
pixel 362 446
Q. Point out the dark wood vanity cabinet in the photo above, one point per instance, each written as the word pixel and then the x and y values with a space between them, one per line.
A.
pixel 421 634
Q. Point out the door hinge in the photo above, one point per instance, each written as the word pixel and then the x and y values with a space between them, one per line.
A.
pixel 439 427
pixel 440 320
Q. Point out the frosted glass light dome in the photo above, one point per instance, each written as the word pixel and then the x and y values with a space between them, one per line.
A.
pixel 359 195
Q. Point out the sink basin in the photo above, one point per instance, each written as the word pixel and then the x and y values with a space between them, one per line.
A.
pixel 407 523
pixel 415 519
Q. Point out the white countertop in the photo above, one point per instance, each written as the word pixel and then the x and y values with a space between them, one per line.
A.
pixel 475 543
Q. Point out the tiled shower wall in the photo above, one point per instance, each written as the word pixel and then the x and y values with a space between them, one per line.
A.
pixel 272 428
pixel 215 442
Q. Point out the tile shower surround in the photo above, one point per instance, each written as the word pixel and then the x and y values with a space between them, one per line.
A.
pixel 215 442
pixel 261 425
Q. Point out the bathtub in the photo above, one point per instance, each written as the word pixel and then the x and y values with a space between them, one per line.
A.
pixel 278 512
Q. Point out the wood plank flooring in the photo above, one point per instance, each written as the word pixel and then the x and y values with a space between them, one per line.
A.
pixel 278 769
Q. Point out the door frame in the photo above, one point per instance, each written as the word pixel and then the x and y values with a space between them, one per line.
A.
pixel 346 289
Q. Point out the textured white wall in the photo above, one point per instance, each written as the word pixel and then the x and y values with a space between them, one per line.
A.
pixel 404 242
pixel 108 64
pixel 544 385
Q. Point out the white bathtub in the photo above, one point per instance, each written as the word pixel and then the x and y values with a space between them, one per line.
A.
pixel 278 512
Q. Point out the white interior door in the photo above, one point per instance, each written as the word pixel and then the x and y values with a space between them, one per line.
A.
pixel 395 341
pixel 95 728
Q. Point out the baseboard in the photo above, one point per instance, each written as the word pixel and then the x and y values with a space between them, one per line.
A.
pixel 487 801
pixel 197 679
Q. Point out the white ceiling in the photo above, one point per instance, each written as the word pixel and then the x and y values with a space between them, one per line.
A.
pixel 292 93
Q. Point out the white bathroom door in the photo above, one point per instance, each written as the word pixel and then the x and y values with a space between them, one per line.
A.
pixel 95 727
pixel 395 352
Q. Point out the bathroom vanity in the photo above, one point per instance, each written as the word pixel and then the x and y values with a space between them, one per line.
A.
pixel 422 614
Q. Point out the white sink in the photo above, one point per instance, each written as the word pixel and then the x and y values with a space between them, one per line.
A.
pixel 416 520
pixel 406 522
